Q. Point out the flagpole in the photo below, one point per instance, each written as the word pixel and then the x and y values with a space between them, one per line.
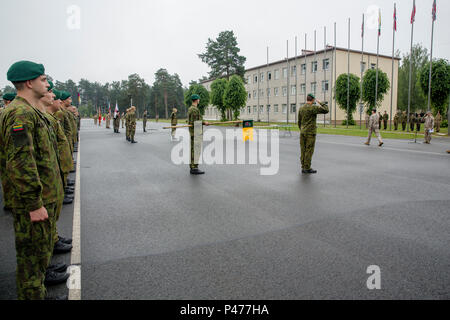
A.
pixel 392 72
pixel 410 65
pixel 305 64
pixel 335 58
pixel 268 89
pixel 348 73
pixel 296 82
pixel 287 82
pixel 362 60
pixel 431 61
pixel 324 70
pixel 378 48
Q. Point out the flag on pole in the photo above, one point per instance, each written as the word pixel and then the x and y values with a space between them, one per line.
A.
pixel 109 108
pixel 79 99
pixel 433 12
pixel 116 110
pixel 413 14
pixel 395 18
pixel 379 22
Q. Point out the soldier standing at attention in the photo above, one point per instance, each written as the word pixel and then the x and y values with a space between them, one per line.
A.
pixel 429 125
pixel 144 120
pixel 8 98
pixel 193 115
pixel 127 124
pixel 116 122
pixel 418 121
pixel 404 120
pixel 307 116
pixel 412 121
pixel 396 118
pixel 380 117
pixel 385 120
pixel 374 127
pixel 132 120
pixel 30 163
pixel 95 119
pixel 173 122
pixel 122 117
pixel 438 120
pixel 108 120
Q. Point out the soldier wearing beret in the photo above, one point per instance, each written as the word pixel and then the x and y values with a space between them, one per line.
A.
pixel 132 124
pixel 194 115
pixel 8 98
pixel 29 162
pixel 307 116
pixel 173 122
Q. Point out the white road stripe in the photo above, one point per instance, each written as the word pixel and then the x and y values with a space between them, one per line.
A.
pixel 74 281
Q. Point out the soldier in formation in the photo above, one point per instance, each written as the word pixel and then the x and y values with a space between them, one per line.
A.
pixel 374 123
pixel 385 120
pixel 132 124
pixel 194 115
pixel 307 116
pixel 122 116
pixel 116 122
pixel 35 158
pixel 396 120
pixel 404 120
pixel 412 121
pixel 173 122
pixel 108 120
pixel 144 120
pixel 419 120
pixel 438 121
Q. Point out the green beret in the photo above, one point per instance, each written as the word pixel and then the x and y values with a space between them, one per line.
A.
pixel 195 97
pixel 311 95
pixel 9 96
pixel 57 94
pixel 65 95
pixel 51 85
pixel 25 70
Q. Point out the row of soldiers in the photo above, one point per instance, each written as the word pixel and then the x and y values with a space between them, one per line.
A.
pixel 38 136
pixel 415 120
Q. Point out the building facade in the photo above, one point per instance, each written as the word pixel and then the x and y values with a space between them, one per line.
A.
pixel 276 90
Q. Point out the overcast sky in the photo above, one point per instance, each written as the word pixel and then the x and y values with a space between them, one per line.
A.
pixel 115 38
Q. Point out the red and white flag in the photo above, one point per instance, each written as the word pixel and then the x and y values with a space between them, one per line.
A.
pixel 116 111
pixel 413 14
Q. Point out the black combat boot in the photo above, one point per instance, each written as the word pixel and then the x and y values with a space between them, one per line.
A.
pixel 196 171
pixel 61 247
pixel 67 200
pixel 53 278
pixel 57 267
pixel 65 240
pixel 133 141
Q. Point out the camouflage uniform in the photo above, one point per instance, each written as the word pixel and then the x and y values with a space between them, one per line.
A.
pixel 108 120
pixel 144 120
pixel 193 115
pixel 412 122
pixel 132 123
pixel 173 122
pixel 428 124
pixel 307 116
pixel 30 162
pixel 404 119
pixel 123 119
pixel 117 122
pixel 419 120
pixel 438 121
pixel 396 120
pixel 385 120
pixel 374 123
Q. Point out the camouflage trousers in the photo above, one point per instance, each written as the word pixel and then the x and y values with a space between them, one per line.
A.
pixel 395 125
pixel 377 133
pixel 127 130
pixel 144 124
pixel 307 144
pixel 403 126
pixel 34 247
pixel 194 157
pixel 427 136
pixel 58 210
pixel 173 131
pixel 132 130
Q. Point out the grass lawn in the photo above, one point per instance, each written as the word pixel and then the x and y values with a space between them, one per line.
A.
pixel 330 129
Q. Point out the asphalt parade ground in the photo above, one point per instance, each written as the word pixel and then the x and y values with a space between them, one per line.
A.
pixel 150 230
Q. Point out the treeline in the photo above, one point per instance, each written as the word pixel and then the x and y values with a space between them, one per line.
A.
pixel 167 92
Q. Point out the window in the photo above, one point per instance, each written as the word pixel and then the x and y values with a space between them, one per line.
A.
pixel 313 87
pixel 373 66
pixel 293 108
pixel 275 92
pixel 255 78
pixel 254 109
pixel 303 68
pixel 293 71
pixel 249 109
pixel 249 95
pixel 275 108
pixel 293 90
pixel 325 64
pixel 261 92
pixel 314 66
pixel 269 75
pixel 277 74
pixel 261 109
pixel 284 72
pixel 325 86
pixel 283 108
pixel 268 92
pixel 363 67
pixel 303 88
pixel 261 77
pixel 254 94
pixel 249 80
pixel 268 108
pixel 284 91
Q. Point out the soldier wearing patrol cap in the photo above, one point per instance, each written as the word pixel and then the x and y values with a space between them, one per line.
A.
pixel 194 115
pixel 29 162
pixel 307 116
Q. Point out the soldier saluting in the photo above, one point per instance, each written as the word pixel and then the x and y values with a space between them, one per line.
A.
pixel 307 116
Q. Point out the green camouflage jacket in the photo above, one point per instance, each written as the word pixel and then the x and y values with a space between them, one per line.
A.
pixel 307 117
pixel 64 155
pixel 193 115
pixel 28 157
pixel 173 119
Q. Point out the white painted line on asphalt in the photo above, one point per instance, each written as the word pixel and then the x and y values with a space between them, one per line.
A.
pixel 386 148
pixel 74 281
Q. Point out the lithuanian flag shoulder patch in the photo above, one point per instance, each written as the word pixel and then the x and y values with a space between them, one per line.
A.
pixel 18 128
